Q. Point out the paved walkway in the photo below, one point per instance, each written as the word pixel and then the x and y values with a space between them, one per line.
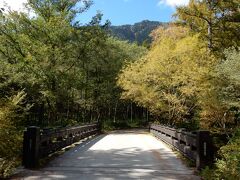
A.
pixel 119 155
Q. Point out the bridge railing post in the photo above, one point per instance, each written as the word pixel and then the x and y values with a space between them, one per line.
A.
pixel 204 149
pixel 31 147
pixel 99 126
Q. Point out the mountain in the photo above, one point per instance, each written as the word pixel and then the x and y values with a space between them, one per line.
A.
pixel 139 32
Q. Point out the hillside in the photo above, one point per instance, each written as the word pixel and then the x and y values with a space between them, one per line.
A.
pixel 139 32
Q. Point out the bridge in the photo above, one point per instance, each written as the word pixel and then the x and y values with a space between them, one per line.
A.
pixel 126 154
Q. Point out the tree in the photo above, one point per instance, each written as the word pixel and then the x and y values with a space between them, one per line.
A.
pixel 166 80
pixel 216 21
pixel 68 71
pixel 40 55
pixel 220 94
pixel 11 112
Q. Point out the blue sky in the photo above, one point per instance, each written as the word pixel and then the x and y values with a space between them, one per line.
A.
pixel 131 11
pixel 121 11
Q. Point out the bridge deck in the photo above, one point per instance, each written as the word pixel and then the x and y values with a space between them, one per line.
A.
pixel 118 155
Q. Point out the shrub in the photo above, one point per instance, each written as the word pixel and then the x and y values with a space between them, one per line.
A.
pixel 10 134
pixel 227 167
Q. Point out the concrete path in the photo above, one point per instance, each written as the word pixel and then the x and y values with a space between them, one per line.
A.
pixel 119 155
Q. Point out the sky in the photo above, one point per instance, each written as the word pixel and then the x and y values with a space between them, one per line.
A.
pixel 121 12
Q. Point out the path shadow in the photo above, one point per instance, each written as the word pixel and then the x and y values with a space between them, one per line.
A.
pixel 131 131
pixel 87 161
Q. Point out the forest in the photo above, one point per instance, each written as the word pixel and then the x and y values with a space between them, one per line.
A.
pixel 56 72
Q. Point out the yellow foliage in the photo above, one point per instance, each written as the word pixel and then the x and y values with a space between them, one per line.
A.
pixel 10 135
pixel 167 80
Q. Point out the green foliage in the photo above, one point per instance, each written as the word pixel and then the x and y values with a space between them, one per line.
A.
pixel 166 80
pixel 68 71
pixel 38 54
pixel 216 21
pixel 220 95
pixel 228 70
pixel 11 111
pixel 109 125
pixel 228 165
pixel 207 173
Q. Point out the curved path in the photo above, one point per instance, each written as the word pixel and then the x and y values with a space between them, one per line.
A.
pixel 118 155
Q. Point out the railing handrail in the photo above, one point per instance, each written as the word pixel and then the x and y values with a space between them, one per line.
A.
pixel 194 145
pixel 38 144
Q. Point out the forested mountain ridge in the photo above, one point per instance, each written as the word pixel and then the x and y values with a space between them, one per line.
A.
pixel 138 32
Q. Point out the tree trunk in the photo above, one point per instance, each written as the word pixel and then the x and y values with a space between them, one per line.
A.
pixel 210 40
pixel 147 116
pixel 210 26
pixel 109 111
pixel 131 112
pixel 115 112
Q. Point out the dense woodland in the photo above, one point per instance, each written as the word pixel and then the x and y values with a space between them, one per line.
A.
pixel 54 72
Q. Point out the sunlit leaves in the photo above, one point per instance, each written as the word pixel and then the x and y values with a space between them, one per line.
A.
pixel 216 21
pixel 167 79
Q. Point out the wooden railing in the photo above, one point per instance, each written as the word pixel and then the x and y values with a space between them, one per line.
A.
pixel 195 145
pixel 39 143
